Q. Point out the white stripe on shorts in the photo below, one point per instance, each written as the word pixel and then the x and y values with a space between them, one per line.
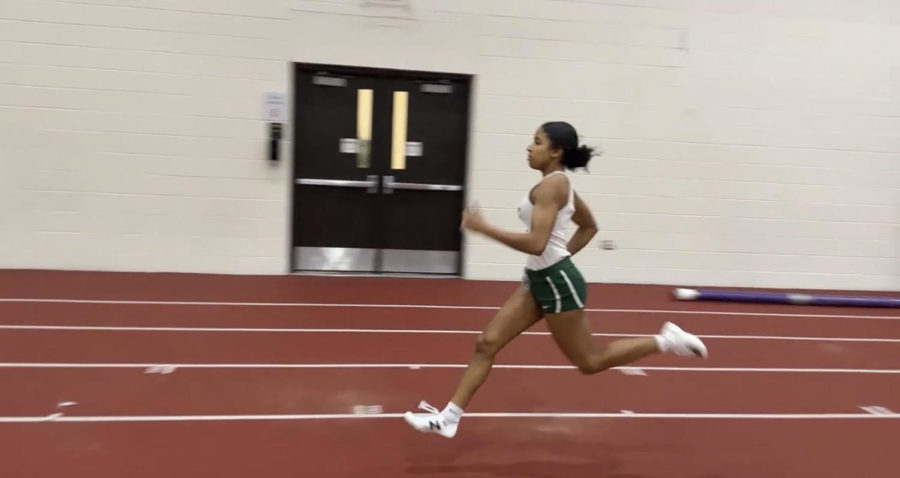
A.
pixel 572 288
pixel 556 293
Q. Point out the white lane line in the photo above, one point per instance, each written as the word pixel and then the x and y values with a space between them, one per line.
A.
pixel 416 366
pixel 422 306
pixel 90 328
pixel 57 418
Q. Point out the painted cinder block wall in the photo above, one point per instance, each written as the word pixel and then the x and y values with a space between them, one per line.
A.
pixel 744 143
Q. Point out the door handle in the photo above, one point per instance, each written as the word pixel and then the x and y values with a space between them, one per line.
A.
pixel 388 185
pixel 371 183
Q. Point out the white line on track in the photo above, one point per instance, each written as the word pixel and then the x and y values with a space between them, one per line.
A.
pixel 421 306
pixel 340 416
pixel 89 328
pixel 415 366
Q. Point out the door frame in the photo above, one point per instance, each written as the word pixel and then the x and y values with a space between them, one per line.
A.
pixel 296 68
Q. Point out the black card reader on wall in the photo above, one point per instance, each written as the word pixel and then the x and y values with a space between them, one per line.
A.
pixel 274 140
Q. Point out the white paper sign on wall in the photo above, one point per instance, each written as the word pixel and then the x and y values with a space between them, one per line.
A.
pixel 275 107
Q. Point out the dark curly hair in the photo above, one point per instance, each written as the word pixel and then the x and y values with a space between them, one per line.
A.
pixel 563 135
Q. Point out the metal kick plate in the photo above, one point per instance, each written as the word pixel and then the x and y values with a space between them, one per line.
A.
pixel 334 259
pixel 422 262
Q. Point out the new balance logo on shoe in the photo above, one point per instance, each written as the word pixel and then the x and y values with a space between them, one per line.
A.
pixel 434 425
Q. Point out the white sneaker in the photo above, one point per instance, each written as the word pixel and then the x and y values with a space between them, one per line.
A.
pixel 432 422
pixel 681 342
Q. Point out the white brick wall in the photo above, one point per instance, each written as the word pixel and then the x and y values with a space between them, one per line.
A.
pixel 745 143
pixel 132 138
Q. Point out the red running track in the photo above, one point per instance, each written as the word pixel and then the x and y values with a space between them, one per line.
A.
pixel 676 443
pixel 213 347
pixel 104 392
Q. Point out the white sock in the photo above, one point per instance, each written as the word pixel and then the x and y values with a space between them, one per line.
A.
pixel 661 343
pixel 452 413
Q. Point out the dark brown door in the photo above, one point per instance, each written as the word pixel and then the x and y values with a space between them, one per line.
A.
pixel 380 160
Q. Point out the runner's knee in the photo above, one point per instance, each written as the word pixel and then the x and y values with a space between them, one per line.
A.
pixel 487 345
pixel 586 367
pixel 590 365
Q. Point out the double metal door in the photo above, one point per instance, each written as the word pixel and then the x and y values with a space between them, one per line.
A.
pixel 379 167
